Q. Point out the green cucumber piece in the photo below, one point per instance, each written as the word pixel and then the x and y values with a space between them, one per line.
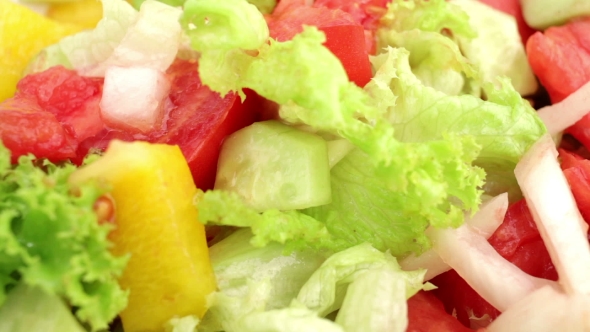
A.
pixel 274 166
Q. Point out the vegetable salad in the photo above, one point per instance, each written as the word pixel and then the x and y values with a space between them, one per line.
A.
pixel 327 165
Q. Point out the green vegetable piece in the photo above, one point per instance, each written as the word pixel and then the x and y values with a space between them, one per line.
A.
pixel 497 50
pixel 275 166
pixel 51 239
pixel 292 228
pixel 223 25
pixel 542 14
pixel 29 309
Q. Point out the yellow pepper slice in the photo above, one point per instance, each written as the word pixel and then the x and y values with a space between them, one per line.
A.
pixel 169 273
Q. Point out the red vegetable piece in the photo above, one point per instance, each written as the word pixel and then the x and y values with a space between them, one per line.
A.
pixel 26 128
pixel 426 313
pixel 344 36
pixel 513 7
pixel 73 99
pixel 577 172
pixel 560 57
pixel 365 12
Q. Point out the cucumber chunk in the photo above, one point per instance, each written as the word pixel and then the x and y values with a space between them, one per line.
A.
pixel 274 166
pixel 541 14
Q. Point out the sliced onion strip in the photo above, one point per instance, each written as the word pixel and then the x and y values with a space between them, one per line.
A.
pixel 567 112
pixel 485 222
pixel 497 280
pixel 554 210
pixel 545 310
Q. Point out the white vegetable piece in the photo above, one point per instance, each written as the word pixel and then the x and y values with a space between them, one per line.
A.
pixel 545 310
pixel 559 116
pixel 541 14
pixel 485 222
pixel 554 210
pixel 497 280
pixel 134 97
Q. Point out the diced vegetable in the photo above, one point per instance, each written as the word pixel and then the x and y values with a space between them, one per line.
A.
pixel 168 273
pixel 133 98
pixel 274 166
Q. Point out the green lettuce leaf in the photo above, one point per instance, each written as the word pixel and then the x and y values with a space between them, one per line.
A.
pixel 427 15
pixel 497 50
pixel 287 320
pixel 29 309
pixel 376 300
pixel 51 239
pixel 431 30
pixel 326 289
pixel 505 125
pixel 236 261
pixel 295 229
pixel 254 279
pixel 183 324
pixel 223 25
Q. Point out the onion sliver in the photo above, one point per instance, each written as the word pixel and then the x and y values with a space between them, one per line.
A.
pixel 560 116
pixel 554 210
pixel 497 280
pixel 485 222
pixel 545 310
pixel 133 98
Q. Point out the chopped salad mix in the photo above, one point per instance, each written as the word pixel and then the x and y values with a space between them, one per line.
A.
pixel 293 165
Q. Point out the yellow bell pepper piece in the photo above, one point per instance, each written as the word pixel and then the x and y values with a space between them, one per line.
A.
pixel 169 273
pixel 84 13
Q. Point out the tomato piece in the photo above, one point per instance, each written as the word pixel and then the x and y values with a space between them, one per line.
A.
pixel 73 99
pixel 365 12
pixel 345 38
pixel 26 128
pixel 426 313
pixel 560 57
pixel 513 7
pixel 577 172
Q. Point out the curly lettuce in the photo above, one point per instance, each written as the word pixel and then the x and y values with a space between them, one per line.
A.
pixel 50 239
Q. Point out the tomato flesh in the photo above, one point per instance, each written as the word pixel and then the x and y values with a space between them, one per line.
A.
pixel 426 313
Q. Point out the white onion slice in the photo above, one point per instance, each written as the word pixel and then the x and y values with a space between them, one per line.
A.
pixel 497 280
pixel 545 310
pixel 133 97
pixel 554 210
pixel 567 112
pixel 485 222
